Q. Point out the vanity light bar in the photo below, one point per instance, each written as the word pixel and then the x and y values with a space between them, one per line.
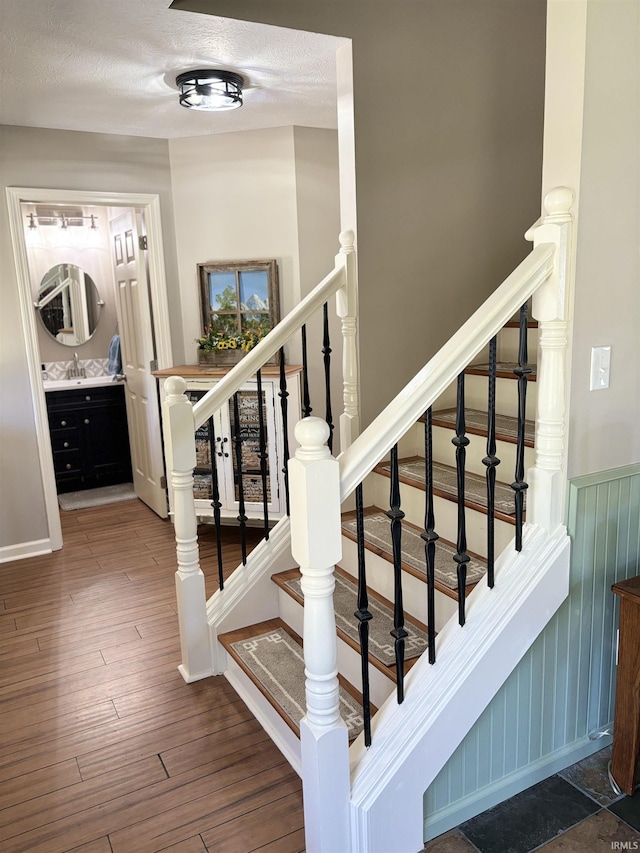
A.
pixel 61 219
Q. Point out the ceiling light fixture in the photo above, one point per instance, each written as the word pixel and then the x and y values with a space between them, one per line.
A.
pixel 210 90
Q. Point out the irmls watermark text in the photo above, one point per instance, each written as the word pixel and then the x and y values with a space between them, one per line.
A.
pixel 625 845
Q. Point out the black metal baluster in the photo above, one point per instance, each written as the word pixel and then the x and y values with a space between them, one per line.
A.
pixel 242 518
pixel 521 371
pixel 306 400
pixel 326 351
pixel 430 536
pixel 263 455
pixel 491 461
pixel 461 557
pixel 215 495
pixel 284 406
pixel 363 616
pixel 395 515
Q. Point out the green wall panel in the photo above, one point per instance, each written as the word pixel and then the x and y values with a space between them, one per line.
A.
pixel 563 690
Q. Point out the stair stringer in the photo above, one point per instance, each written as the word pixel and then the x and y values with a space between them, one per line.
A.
pixel 249 596
pixel 412 742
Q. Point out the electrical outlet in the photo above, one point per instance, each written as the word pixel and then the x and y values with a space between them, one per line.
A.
pixel 600 368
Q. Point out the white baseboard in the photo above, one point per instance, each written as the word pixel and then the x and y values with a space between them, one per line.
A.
pixel 23 550
pixel 502 789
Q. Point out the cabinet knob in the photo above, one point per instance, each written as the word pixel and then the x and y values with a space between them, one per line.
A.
pixel 63 423
pixel 87 421
pixel 88 397
pixel 68 466
pixel 66 444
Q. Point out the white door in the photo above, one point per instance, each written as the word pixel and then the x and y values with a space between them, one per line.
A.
pixel 136 342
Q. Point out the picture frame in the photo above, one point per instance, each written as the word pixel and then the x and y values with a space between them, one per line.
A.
pixel 239 303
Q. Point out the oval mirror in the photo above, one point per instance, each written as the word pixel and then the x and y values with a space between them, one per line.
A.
pixel 69 304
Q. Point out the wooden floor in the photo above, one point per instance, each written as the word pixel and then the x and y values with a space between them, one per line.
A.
pixel 103 747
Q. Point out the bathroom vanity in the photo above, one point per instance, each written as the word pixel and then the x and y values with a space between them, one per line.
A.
pixel 89 435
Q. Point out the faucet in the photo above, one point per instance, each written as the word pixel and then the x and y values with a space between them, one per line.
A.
pixel 75 372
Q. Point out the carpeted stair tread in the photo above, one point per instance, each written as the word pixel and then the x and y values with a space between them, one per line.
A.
pixel 345 602
pixel 476 424
pixel 411 471
pixel 377 535
pixel 270 653
pixel 504 370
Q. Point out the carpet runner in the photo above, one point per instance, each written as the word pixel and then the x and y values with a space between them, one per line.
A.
pixel 345 602
pixel 476 423
pixel 377 533
pixel 273 657
pixel 445 483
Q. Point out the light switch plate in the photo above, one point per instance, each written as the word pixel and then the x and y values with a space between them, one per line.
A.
pixel 600 368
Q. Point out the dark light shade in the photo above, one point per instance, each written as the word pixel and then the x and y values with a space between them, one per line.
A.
pixel 210 89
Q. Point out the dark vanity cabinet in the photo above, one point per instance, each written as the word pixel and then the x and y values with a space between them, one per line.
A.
pixel 89 437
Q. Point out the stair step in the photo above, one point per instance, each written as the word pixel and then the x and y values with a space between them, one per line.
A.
pixel 345 599
pixel 377 538
pixel 411 471
pixel 476 424
pixel 504 370
pixel 270 654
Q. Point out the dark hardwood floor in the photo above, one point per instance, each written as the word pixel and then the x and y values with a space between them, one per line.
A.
pixel 103 747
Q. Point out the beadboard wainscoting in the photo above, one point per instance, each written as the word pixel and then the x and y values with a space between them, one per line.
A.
pixel 553 708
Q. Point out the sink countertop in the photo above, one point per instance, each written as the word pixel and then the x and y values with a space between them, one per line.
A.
pixel 84 382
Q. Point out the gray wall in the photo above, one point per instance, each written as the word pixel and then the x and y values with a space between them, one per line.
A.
pixel 448 146
pixel 33 157
pixel 605 427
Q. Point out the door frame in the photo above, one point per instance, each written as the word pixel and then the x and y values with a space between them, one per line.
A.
pixel 150 205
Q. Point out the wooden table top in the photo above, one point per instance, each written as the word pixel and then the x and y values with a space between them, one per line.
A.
pixel 628 589
pixel 202 371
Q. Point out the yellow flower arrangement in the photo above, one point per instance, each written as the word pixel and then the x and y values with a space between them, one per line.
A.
pixel 219 341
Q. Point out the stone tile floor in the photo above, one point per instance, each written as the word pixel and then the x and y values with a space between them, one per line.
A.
pixel 575 811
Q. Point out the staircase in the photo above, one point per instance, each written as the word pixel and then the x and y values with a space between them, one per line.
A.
pixel 362 674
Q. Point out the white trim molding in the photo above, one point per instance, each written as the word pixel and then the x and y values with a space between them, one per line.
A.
pixel 25 549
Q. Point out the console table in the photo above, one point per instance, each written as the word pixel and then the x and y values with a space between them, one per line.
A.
pixel 626 726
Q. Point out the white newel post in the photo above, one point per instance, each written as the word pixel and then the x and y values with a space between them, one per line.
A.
pixel 314 484
pixel 190 590
pixel 347 308
pixel 551 305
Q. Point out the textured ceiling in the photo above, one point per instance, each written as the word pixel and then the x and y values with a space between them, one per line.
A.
pixel 110 65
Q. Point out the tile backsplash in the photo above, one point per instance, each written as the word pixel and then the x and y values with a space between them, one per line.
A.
pixel 92 367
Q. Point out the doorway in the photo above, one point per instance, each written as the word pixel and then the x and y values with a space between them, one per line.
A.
pixel 155 333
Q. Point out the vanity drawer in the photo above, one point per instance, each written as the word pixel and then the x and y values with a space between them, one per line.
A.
pixel 64 421
pixel 64 439
pixel 67 463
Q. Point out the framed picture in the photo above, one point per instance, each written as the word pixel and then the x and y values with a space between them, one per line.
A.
pixel 239 301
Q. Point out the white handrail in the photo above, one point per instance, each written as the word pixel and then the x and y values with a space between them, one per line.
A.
pixel 432 380
pixel 270 344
